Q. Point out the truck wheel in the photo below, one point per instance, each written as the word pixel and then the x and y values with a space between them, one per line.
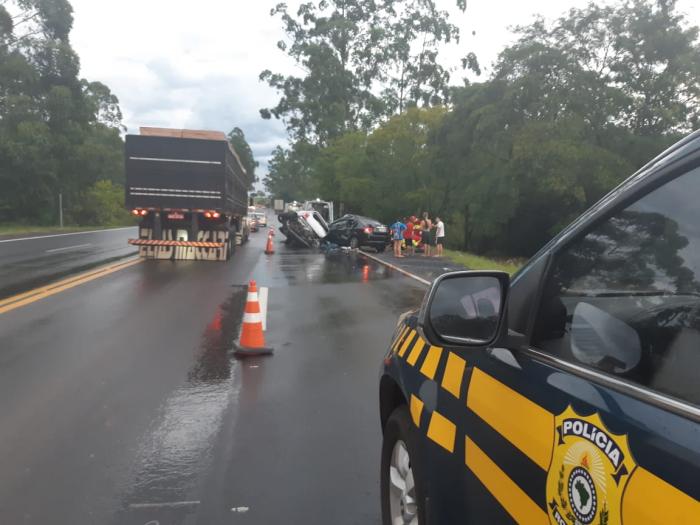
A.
pixel 402 490
pixel 354 243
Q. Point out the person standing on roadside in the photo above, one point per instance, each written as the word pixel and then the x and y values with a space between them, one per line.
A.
pixel 417 234
pixel 426 225
pixel 439 236
pixel 408 235
pixel 397 230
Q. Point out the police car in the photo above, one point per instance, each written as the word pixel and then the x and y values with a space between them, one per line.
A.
pixel 569 394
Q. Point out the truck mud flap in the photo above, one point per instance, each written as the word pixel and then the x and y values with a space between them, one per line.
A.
pixel 180 250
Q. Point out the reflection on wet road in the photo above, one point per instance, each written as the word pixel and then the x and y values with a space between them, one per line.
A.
pixel 122 403
pixel 178 446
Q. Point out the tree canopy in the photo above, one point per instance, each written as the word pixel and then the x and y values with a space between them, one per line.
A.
pixel 240 145
pixel 58 133
pixel 573 107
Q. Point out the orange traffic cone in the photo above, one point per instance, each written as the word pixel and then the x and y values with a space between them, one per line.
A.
pixel 270 248
pixel 252 341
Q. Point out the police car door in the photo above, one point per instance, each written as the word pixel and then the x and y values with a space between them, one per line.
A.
pixel 592 417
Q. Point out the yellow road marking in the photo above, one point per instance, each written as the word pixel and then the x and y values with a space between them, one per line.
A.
pixel 431 362
pixel 516 503
pixel 416 410
pixel 415 353
pixel 410 337
pixel 525 424
pixel 454 372
pixel 23 299
pixel 649 499
pixel 442 431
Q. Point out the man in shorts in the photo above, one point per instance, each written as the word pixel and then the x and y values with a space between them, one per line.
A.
pixel 439 236
pixel 408 235
pixel 426 225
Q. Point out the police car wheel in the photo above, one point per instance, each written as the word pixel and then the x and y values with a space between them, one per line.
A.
pixel 401 488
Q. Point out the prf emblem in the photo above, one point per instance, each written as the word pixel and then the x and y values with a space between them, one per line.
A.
pixel 590 468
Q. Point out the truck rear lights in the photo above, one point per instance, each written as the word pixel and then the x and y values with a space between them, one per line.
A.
pixel 140 213
pixel 212 214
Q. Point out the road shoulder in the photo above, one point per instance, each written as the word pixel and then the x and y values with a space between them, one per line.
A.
pixel 420 268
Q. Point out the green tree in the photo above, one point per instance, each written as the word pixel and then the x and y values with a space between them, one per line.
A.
pixel 362 59
pixel 102 204
pixel 58 132
pixel 240 145
pixel 290 174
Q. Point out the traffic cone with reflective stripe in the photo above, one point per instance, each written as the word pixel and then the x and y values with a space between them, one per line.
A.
pixel 252 341
pixel 270 248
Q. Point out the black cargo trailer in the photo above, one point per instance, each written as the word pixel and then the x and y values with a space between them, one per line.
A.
pixel 190 190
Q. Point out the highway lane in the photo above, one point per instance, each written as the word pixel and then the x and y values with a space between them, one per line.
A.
pixel 121 403
pixel 26 262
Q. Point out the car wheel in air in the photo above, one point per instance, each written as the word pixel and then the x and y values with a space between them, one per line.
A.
pixel 354 243
pixel 401 487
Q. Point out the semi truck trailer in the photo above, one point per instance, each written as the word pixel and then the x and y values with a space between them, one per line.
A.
pixel 190 192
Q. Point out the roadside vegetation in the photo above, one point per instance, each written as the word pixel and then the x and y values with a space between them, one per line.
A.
pixel 59 133
pixel 476 262
pixel 22 229
pixel 568 111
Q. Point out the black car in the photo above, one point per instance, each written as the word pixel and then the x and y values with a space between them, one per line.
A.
pixel 355 231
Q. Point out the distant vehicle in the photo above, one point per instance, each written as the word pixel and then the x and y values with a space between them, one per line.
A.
pixel 568 394
pixel 292 206
pixel 278 205
pixel 253 223
pixel 261 219
pixel 356 231
pixel 325 208
pixel 189 189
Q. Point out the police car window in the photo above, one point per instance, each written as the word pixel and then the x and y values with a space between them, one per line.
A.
pixel 625 298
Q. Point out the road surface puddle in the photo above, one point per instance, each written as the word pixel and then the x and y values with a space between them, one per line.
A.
pixel 178 448
pixel 299 268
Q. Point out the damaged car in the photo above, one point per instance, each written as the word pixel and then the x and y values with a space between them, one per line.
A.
pixel 303 228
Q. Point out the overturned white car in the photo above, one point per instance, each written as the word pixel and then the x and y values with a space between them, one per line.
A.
pixel 303 228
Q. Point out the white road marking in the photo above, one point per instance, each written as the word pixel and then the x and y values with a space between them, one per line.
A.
pixel 64 234
pixel 169 504
pixel 240 509
pixel 394 267
pixel 262 299
pixel 68 248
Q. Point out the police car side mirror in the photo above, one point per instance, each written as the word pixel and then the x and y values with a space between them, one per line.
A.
pixel 465 308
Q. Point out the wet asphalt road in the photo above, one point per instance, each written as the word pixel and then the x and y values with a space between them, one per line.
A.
pixel 121 404
pixel 27 262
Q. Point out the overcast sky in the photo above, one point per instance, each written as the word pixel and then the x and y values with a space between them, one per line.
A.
pixel 187 64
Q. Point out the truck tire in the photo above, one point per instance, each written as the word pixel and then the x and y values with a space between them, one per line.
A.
pixel 402 491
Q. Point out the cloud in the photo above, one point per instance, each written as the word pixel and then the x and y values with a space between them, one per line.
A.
pixel 181 64
pixel 178 63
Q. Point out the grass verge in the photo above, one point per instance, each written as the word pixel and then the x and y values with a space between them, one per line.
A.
pixel 21 229
pixel 476 262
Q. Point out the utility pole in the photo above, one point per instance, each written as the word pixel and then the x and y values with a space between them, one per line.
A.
pixel 60 209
